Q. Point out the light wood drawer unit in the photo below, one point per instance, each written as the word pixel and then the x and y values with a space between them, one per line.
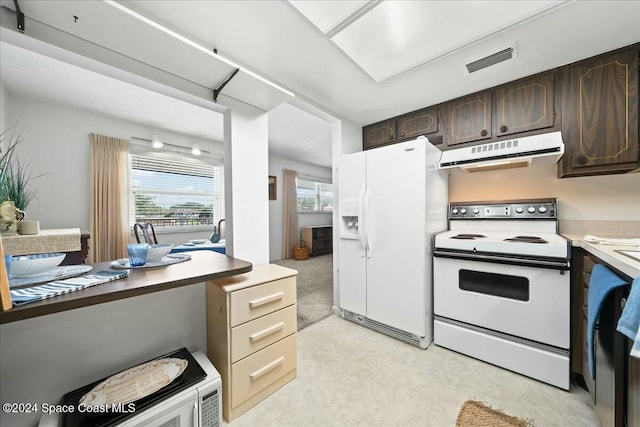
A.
pixel 251 334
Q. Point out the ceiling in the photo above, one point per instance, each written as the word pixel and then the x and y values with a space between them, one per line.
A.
pixel 369 60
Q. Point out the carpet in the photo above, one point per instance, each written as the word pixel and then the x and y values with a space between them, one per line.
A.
pixel 478 414
pixel 315 287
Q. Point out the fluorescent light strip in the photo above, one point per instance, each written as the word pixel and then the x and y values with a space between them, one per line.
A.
pixel 191 43
pixel 353 17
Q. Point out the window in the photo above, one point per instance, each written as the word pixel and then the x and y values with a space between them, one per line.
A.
pixel 314 195
pixel 174 195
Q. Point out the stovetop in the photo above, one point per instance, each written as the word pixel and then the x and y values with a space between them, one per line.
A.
pixel 191 375
pixel 518 227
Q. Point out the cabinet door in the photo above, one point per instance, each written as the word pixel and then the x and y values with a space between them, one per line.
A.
pixel 418 123
pixel 600 114
pixel 468 119
pixel 525 106
pixel 379 134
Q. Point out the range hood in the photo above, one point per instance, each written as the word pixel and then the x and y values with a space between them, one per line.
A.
pixel 538 149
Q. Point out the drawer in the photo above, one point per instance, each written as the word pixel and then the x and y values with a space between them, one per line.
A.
pixel 259 333
pixel 261 369
pixel 251 303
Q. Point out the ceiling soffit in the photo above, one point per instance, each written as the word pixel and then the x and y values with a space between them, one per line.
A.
pixel 388 38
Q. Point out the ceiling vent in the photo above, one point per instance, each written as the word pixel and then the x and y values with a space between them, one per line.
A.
pixel 490 60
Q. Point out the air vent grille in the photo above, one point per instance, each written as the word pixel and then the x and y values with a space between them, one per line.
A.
pixel 490 60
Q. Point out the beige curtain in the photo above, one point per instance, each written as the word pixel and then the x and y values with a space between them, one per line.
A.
pixel 109 198
pixel 290 205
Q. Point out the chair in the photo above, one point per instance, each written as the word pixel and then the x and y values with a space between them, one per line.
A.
pixel 147 232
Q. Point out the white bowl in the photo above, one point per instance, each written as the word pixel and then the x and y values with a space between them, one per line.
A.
pixel 198 241
pixel 156 252
pixel 32 265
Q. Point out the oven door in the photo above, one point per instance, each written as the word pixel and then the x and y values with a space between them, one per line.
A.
pixel 523 301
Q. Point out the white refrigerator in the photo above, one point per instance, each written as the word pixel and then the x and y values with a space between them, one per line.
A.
pixel 392 201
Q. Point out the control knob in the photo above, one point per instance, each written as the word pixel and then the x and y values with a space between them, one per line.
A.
pixel 463 211
pixel 454 211
pixel 476 211
pixel 519 210
pixel 542 209
pixel 531 209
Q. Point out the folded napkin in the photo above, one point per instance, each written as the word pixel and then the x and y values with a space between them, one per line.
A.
pixel 22 296
pixel 629 321
pixel 602 282
pixel 618 242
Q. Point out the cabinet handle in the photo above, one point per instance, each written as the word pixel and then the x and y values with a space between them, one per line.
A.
pixel 402 134
pixel 503 128
pixel 581 159
pixel 266 300
pixel 260 372
pixel 265 332
pixel 483 132
pixel 623 302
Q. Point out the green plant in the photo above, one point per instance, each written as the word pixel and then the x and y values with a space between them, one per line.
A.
pixel 15 175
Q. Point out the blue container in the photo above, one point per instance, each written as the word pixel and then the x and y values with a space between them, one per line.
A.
pixel 137 254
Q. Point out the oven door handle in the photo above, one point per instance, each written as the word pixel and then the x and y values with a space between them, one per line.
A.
pixel 500 259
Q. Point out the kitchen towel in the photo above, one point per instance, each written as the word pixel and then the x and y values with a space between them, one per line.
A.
pixel 602 282
pixel 629 321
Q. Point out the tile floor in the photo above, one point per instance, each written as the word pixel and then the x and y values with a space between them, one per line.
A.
pixel 351 376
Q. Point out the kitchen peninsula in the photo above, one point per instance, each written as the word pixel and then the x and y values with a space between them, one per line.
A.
pixel 54 346
pixel 202 266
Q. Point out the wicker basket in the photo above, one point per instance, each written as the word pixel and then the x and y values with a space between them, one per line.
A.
pixel 300 251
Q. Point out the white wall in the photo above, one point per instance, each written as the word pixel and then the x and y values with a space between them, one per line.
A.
pixel 593 198
pixel 4 121
pixel 276 210
pixel 56 142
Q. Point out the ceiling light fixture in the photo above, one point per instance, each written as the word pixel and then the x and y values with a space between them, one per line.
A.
pixel 195 150
pixel 155 141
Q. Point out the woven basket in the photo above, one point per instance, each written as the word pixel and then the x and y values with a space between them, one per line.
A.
pixel 300 251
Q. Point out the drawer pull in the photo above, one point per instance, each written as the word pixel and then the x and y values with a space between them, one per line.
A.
pixel 265 332
pixel 266 300
pixel 260 372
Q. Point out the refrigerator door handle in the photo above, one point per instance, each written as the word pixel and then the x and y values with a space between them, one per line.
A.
pixel 361 220
pixel 367 197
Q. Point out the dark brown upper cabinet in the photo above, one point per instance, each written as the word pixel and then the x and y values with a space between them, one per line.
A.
pixel 600 114
pixel 379 134
pixel 422 122
pixel 525 105
pixel 467 119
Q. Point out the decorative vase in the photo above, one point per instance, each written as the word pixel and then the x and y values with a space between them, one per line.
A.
pixel 215 237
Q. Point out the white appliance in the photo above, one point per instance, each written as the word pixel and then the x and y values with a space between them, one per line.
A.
pixel 393 200
pixel 502 287
pixel 540 149
pixel 199 405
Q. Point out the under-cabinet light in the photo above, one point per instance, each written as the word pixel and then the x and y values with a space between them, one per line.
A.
pixel 497 165
pixel 195 150
pixel 192 44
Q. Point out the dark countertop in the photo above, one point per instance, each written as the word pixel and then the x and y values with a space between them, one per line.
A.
pixel 203 266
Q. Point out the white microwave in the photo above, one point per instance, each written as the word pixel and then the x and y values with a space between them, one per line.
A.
pixel 199 405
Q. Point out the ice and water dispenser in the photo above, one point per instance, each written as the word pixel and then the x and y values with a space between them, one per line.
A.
pixel 349 219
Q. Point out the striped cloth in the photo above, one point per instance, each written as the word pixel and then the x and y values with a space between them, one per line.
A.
pixel 22 296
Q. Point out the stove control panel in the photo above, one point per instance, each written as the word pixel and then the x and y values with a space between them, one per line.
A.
pixel 514 209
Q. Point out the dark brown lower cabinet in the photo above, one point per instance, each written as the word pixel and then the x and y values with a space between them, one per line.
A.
pixel 616 388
